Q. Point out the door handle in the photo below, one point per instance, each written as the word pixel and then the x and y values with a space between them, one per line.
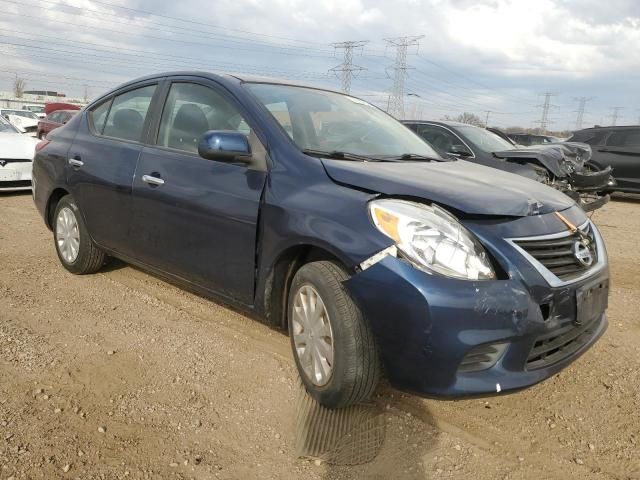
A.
pixel 75 162
pixel 151 180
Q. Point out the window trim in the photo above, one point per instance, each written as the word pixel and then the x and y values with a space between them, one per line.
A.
pixel 154 132
pixel 473 153
pixel 158 82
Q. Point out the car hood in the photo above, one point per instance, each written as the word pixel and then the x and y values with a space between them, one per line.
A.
pixel 463 186
pixel 551 156
pixel 22 122
pixel 17 145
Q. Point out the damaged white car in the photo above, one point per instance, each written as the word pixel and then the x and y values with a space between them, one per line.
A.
pixel 16 156
pixel 24 120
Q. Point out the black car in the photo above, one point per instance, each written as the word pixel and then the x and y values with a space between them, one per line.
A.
pixel 561 165
pixel 618 148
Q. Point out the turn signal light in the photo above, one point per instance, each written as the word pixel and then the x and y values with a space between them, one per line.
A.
pixel 43 143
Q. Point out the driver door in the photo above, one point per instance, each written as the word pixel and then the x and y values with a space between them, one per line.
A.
pixel 196 218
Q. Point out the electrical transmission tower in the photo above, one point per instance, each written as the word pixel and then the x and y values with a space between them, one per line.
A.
pixel 546 108
pixel 347 70
pixel 582 101
pixel 400 67
pixel 615 115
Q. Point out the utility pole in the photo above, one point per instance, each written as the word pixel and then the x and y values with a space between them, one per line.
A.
pixel 615 115
pixel 347 69
pixel 582 101
pixel 486 120
pixel 546 107
pixel 86 93
pixel 400 67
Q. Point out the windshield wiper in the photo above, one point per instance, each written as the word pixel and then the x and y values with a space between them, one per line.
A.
pixel 417 156
pixel 338 155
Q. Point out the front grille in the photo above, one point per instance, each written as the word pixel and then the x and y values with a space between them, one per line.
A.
pixel 4 161
pixel 15 184
pixel 561 343
pixel 558 254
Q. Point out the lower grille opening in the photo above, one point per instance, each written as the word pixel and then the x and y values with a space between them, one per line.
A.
pixel 482 357
pixel 15 184
pixel 555 346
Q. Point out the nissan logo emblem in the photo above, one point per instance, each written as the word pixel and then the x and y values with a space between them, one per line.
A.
pixel 582 253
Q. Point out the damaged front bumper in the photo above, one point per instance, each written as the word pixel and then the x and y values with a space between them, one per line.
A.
pixel 445 337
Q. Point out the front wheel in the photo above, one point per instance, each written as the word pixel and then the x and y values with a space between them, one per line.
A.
pixel 74 246
pixel 332 343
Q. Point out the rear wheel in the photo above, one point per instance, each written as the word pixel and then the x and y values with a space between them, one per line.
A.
pixel 332 343
pixel 74 246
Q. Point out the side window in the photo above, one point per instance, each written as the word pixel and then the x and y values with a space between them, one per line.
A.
pixel 441 139
pixel 191 110
pixel 625 138
pixel 54 117
pixel 98 115
pixel 128 112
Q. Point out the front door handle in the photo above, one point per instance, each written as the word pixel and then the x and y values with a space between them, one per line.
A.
pixel 76 162
pixel 151 180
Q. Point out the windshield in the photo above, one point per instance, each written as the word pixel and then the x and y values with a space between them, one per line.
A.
pixel 6 127
pixel 20 113
pixel 329 122
pixel 484 139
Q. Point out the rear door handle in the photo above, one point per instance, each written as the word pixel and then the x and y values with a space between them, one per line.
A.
pixel 76 162
pixel 151 180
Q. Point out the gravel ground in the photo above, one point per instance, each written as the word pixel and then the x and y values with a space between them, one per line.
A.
pixel 120 375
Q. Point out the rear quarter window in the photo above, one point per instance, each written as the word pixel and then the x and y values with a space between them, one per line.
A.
pixel 98 115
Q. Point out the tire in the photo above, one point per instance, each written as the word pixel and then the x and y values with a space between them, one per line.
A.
pixel 354 366
pixel 88 257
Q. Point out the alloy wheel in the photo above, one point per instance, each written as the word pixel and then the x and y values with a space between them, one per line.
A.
pixel 67 235
pixel 312 335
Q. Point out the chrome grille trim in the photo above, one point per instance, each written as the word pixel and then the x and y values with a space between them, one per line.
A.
pixel 552 279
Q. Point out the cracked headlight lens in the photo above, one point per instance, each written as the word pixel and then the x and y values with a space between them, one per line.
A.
pixel 432 239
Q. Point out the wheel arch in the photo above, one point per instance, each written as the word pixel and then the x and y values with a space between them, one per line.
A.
pixel 280 276
pixel 52 203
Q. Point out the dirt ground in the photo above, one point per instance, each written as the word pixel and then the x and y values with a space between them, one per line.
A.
pixel 120 375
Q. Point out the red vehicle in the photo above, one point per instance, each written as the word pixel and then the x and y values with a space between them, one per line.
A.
pixel 54 120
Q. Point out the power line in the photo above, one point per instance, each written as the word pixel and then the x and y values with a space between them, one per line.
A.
pixel 546 108
pixel 582 101
pixel 400 67
pixel 615 114
pixel 347 69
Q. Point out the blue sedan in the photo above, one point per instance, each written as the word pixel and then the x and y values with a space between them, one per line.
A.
pixel 321 214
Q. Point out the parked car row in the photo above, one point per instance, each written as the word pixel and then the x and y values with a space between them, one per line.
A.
pixel 16 155
pixel 563 166
pixel 322 215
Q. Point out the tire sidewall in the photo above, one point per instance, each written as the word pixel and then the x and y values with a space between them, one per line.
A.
pixel 331 391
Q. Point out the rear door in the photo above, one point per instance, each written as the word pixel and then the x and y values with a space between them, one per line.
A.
pixel 102 162
pixel 197 218
pixel 622 152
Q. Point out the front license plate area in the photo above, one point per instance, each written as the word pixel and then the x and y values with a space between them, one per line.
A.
pixel 8 175
pixel 591 301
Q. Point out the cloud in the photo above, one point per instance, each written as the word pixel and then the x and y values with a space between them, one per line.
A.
pixel 497 55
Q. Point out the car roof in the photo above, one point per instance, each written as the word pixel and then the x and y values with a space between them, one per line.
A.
pixel 598 128
pixel 449 123
pixel 234 77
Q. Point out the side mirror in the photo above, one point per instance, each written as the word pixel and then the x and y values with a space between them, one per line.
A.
pixel 460 151
pixel 225 146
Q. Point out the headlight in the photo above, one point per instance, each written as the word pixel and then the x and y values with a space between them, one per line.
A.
pixel 432 239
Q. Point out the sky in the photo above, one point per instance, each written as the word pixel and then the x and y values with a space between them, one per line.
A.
pixel 496 56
